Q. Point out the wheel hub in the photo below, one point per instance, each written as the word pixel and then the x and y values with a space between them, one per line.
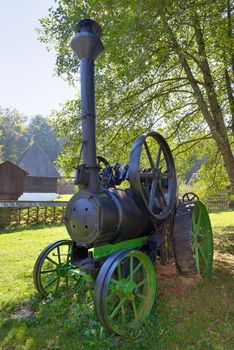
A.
pixel 124 288
pixel 62 270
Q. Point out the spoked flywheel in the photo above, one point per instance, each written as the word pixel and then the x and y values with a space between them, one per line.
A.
pixel 193 240
pixel 53 269
pixel 190 197
pixel 125 291
pixel 152 175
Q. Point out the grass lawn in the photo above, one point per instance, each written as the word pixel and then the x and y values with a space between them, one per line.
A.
pixel 186 316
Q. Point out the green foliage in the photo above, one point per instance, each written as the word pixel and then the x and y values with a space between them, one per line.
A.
pixel 13 140
pixel 18 131
pixel 141 81
pixel 41 132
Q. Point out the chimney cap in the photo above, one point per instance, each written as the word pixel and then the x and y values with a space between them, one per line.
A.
pixel 89 25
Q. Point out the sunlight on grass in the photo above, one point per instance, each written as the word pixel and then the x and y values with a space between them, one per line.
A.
pixel 222 218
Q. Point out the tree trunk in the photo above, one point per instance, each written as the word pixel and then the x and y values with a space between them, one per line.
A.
pixel 211 112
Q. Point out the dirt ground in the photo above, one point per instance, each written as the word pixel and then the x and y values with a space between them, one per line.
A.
pixel 171 282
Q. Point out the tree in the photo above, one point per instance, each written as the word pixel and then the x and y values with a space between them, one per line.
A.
pixel 41 132
pixel 168 65
pixel 17 132
pixel 13 140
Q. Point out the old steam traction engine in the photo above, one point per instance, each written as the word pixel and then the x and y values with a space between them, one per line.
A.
pixel 116 234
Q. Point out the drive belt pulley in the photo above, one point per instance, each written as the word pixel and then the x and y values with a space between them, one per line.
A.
pixel 152 176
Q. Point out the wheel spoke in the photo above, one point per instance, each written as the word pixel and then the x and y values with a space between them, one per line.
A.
pixel 142 283
pixel 158 156
pixel 197 259
pixel 131 267
pixel 141 296
pixel 115 282
pixel 59 257
pixel 160 200
pixel 199 219
pixel 57 285
pixel 48 271
pixel 202 253
pixel 68 253
pixel 152 193
pixel 52 261
pixel 134 308
pixel 194 226
pixel 114 312
pixel 162 195
pixel 123 312
pixel 51 282
pixel 137 268
pixel 119 271
pixel 149 155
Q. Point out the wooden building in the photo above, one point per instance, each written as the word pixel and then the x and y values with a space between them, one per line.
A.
pixel 43 175
pixel 12 179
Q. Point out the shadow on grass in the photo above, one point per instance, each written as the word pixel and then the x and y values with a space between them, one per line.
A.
pixel 16 229
pixel 68 322
pixel 53 323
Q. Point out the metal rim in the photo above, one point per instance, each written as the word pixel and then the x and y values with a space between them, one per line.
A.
pixel 50 270
pixel 125 291
pixel 165 199
pixel 202 240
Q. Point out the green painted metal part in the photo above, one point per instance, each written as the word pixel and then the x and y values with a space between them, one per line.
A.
pixel 108 249
pixel 202 240
pixel 79 274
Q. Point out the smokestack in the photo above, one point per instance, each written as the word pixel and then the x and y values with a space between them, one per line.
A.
pixel 87 45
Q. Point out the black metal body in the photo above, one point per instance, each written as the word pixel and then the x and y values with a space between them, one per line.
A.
pixel 99 213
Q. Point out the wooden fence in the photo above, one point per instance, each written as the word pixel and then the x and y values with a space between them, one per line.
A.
pixel 14 213
pixel 217 205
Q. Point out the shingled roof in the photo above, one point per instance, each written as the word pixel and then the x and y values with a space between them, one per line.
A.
pixel 37 163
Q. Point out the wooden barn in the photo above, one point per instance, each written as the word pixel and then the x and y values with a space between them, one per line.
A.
pixel 12 180
pixel 41 183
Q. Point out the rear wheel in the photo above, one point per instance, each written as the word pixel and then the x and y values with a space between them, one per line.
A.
pixel 193 240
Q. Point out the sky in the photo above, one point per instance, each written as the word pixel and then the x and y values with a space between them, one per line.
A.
pixel 27 81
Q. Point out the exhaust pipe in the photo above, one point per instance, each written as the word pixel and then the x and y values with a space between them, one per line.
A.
pixel 87 45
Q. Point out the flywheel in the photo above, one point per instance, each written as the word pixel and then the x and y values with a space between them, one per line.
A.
pixel 152 176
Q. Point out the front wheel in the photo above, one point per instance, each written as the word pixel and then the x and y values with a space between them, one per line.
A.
pixel 50 272
pixel 125 291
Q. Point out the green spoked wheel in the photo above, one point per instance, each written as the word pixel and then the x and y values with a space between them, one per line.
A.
pixel 125 291
pixel 202 240
pixel 192 239
pixel 52 267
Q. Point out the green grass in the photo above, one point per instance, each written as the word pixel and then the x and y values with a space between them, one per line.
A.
pixel 197 317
